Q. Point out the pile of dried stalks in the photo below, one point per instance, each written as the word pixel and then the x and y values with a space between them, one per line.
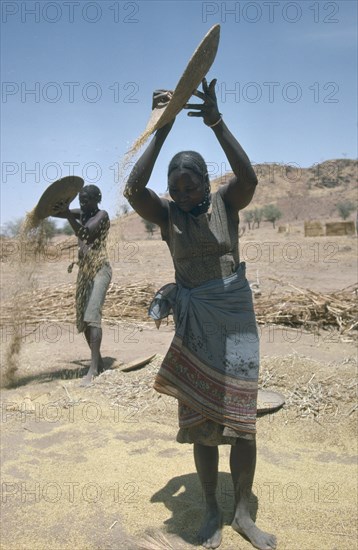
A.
pixel 303 309
pixel 310 310
pixel 312 395
pixel 57 304
pixel 331 397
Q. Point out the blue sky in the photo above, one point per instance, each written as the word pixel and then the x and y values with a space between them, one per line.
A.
pixel 78 77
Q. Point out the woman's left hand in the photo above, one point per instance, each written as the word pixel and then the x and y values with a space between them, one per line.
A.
pixel 60 209
pixel 209 109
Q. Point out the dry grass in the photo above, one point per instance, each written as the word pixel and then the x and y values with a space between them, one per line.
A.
pixel 133 393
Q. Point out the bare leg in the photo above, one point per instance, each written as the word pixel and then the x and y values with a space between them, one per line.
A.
pixel 94 338
pixel 87 334
pixel 206 462
pixel 242 465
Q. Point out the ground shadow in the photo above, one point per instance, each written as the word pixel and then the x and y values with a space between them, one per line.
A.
pixel 66 373
pixel 183 496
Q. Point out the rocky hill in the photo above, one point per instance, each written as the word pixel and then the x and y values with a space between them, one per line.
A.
pixel 300 193
pixel 304 193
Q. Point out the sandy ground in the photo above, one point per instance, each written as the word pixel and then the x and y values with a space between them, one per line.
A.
pixel 99 467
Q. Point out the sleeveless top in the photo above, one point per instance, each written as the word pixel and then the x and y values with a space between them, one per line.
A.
pixel 203 247
pixel 92 257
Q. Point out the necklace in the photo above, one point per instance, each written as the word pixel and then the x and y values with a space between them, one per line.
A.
pixel 89 215
pixel 203 206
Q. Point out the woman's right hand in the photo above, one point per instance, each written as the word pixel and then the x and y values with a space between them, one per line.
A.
pixel 161 98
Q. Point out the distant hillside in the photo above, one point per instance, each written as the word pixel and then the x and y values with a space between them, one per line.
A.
pixel 304 193
pixel 300 193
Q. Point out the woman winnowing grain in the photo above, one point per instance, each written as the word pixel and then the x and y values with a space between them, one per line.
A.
pixel 212 364
pixel 91 226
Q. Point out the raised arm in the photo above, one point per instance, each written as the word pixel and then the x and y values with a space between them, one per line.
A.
pixel 144 201
pixel 239 191
pixel 91 230
pixel 57 213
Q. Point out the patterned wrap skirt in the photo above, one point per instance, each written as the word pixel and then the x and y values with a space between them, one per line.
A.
pixel 212 364
pixel 91 292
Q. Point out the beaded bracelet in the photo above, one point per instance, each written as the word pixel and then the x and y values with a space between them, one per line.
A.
pixel 217 122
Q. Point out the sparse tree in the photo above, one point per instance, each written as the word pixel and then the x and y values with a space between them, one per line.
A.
pixel 345 208
pixel 257 217
pixel 67 229
pixel 248 217
pixel 271 213
pixel 13 228
pixel 150 227
pixel 49 228
pixel 123 209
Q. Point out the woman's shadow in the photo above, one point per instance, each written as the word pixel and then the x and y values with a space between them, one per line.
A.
pixel 65 373
pixel 184 497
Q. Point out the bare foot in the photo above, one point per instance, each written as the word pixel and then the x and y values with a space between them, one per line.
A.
pixel 92 373
pixel 210 532
pixel 259 539
pixel 87 380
